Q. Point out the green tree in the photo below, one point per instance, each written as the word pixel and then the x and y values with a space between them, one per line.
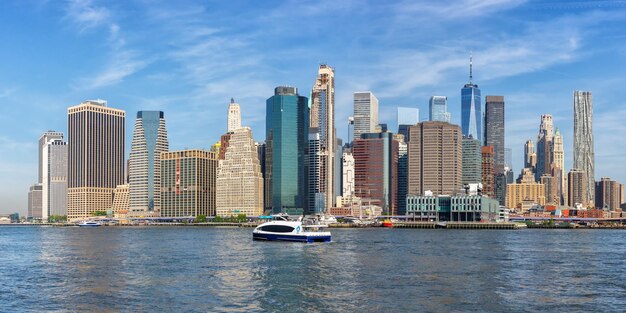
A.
pixel 99 213
pixel 201 219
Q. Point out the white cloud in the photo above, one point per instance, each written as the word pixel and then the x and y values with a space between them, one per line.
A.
pixel 85 15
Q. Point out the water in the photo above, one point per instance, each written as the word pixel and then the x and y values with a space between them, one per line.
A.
pixel 206 269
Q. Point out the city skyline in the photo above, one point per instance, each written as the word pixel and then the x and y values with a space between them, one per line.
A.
pixel 36 87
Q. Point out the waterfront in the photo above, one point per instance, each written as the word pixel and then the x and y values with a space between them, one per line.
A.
pixel 208 269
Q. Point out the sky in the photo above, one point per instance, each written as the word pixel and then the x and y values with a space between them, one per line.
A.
pixel 188 58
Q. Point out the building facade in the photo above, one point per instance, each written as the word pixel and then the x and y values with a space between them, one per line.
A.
pixel 35 201
pixel 144 165
pixel 583 139
pixel 365 113
pixel 545 142
pixel 287 128
pixel 558 165
pixel 494 130
pixel 234 116
pixel 488 172
pixel 472 161
pixel 577 188
pixel 530 157
pixel 609 194
pixel 471 112
pixel 460 208
pixel 403 176
pixel 438 109
pixel 188 179
pixel 435 158
pixel 121 200
pixel 239 188
pixel 43 141
pixel 54 175
pixel 96 160
pixel 518 193
pixel 348 175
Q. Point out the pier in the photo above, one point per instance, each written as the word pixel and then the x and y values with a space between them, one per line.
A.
pixel 458 225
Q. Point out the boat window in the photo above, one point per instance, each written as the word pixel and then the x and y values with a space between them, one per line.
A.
pixel 277 228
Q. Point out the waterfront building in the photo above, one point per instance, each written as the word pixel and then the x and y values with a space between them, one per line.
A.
pixel 609 194
pixel 583 139
pixel 487 171
pixel 188 180
pixel 260 148
pixel 314 159
pixel 457 208
pixel 365 113
pixel 35 201
pixel 471 113
pixel 376 170
pixel 501 182
pixel 322 118
pixel 403 174
pixel 530 157
pixel 438 109
pixel 121 201
pixel 544 146
pixel 407 117
pixel 525 191
pixel 287 127
pixel 96 160
pixel 239 187
pixel 234 116
pixel 435 158
pixel 348 175
pixel 577 188
pixel 494 130
pixel 53 164
pixel 144 164
pixel 472 161
pixel 558 165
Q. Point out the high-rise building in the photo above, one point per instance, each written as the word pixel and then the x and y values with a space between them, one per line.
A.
pixel 583 139
pixel 471 113
pixel 144 172
pixel 530 157
pixel 234 116
pixel 376 170
pixel 545 141
pixel 316 198
pixel 407 117
pixel 435 158
pixel 577 188
pixel 551 185
pixel 508 158
pixel 501 182
pixel 487 171
pixel 239 188
pixel 260 148
pixel 43 141
pixel 121 200
pixel 365 113
pixel 472 161
pixel 609 194
pixel 558 162
pixel 494 130
pixel 322 117
pixel 35 201
pixel 53 163
pixel 525 191
pixel 287 128
pixel 96 162
pixel 403 175
pixel 188 179
pixel 348 175
pixel 438 109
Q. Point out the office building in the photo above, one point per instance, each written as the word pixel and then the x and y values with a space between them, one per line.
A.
pixel 144 165
pixel 577 188
pixel 545 141
pixel 551 187
pixel 365 113
pixel 435 158
pixel 487 171
pixel 583 139
pixel 472 161
pixel 96 160
pixel 348 175
pixel 494 130
pixel 234 116
pixel 376 170
pixel 407 117
pixel 501 182
pixel 403 175
pixel 287 128
pixel 456 208
pixel 609 194
pixel 471 112
pixel 188 179
pixel 239 188
pixel 35 201
pixel 558 166
pixel 316 198
pixel 530 157
pixel 121 200
pixel 53 165
pixel 525 191
pixel 438 109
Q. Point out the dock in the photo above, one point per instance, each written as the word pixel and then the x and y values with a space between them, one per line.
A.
pixel 458 225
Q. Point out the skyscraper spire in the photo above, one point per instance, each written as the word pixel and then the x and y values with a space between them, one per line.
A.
pixel 470 68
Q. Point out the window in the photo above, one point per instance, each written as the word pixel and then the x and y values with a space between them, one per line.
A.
pixel 277 228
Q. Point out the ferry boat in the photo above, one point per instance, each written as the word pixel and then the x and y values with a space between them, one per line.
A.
pixel 89 224
pixel 282 229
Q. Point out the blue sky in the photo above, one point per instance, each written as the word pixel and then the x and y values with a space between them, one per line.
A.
pixel 188 58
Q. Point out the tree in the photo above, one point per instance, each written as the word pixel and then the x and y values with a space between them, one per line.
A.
pixel 99 213
pixel 201 219
pixel 57 218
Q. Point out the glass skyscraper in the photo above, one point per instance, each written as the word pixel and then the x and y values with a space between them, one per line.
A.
pixel 287 127
pixel 438 109
pixel 471 113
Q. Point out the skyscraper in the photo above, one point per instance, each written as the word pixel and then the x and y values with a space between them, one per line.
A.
pixel 472 161
pixel 403 176
pixel 530 157
pixel 95 157
pixel 471 113
pixel 53 163
pixel 609 194
pixel 234 116
pixel 407 117
pixel 487 171
pixel 144 169
pixel 322 117
pixel 583 139
pixel 494 130
pixel 35 201
pixel 43 141
pixel 316 198
pixel 365 113
pixel 239 188
pixel 438 109
pixel 558 161
pixel 435 158
pixel 577 188
pixel 544 146
pixel 287 127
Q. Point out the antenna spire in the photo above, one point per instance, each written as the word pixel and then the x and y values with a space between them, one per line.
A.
pixel 470 68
